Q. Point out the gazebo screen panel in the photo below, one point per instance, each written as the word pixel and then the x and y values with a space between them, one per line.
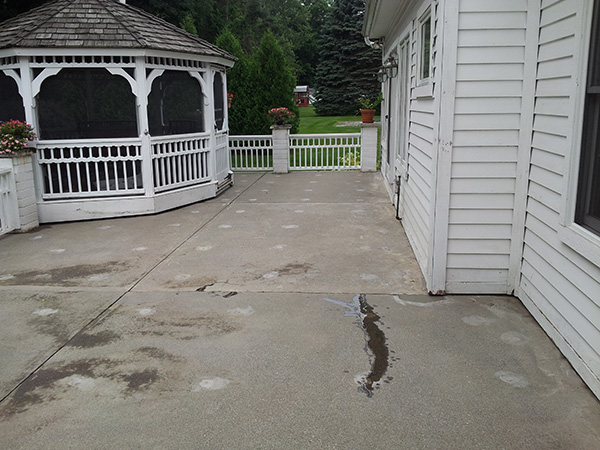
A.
pixel 219 101
pixel 175 105
pixel 86 103
pixel 11 102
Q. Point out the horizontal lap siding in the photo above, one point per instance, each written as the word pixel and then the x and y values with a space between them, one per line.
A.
pixel 417 190
pixel 487 115
pixel 560 286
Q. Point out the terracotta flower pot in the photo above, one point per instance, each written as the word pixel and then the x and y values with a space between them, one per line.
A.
pixel 367 115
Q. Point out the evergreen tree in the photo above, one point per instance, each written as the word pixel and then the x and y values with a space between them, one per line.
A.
pixel 258 83
pixel 272 84
pixel 188 24
pixel 348 67
pixel 237 84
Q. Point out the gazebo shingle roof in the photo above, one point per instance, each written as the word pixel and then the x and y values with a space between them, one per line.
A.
pixel 99 24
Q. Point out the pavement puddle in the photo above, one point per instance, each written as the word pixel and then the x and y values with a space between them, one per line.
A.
pixel 375 340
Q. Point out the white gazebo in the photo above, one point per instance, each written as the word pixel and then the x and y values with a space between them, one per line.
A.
pixel 130 111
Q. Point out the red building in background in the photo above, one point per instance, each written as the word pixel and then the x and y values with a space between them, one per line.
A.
pixel 301 96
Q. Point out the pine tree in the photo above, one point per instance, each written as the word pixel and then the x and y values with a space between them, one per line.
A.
pixel 348 66
pixel 188 24
pixel 272 84
pixel 258 83
pixel 237 84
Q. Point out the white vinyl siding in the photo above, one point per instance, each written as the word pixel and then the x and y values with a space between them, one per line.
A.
pixel 421 145
pixel 559 286
pixel 487 116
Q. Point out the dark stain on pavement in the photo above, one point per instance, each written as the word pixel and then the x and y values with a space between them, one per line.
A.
pixel 376 342
pixel 160 354
pixel 294 269
pixel 186 328
pixel 137 381
pixel 64 276
pixel 376 346
pixel 36 389
pixel 85 340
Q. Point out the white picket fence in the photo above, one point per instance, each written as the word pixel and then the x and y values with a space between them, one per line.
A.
pixel 336 151
pixel 325 151
pixel 251 153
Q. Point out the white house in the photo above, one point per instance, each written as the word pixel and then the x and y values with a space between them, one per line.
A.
pixel 491 152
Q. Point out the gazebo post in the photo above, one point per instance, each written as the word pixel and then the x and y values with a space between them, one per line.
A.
pixel 226 117
pixel 209 109
pixel 143 89
pixel 26 91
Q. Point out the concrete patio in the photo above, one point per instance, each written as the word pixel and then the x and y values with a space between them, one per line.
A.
pixel 236 323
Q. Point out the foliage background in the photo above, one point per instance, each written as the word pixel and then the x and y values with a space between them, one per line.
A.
pixel 279 43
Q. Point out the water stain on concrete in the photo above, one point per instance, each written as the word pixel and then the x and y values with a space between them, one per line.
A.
pixel 187 328
pixel 37 388
pixel 141 380
pixel 376 346
pixel 376 342
pixel 85 340
pixel 65 276
pixel 159 354
pixel 295 269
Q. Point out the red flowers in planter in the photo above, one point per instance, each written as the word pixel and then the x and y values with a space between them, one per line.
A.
pixel 280 116
pixel 14 136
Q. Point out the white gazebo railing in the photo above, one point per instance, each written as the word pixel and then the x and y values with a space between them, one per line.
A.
pixel 222 158
pixel 90 168
pixel 95 178
pixel 180 161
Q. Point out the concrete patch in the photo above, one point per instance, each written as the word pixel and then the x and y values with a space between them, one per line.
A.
pixel 477 321
pixel 45 312
pixel 210 384
pixel 513 379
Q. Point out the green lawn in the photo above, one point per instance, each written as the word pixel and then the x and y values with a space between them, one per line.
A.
pixel 310 123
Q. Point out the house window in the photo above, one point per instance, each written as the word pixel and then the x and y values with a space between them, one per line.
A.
pixel 425 47
pixel 587 210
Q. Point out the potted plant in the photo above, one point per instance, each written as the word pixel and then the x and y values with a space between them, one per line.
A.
pixel 14 136
pixel 280 116
pixel 367 107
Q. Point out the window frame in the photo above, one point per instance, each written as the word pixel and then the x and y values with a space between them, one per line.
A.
pixel 423 87
pixel 578 238
pixel 425 18
pixel 590 133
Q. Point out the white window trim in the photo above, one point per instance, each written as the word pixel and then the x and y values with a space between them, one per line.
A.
pixel 583 241
pixel 424 16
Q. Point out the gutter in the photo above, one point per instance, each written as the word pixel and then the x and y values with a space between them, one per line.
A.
pixel 371 9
